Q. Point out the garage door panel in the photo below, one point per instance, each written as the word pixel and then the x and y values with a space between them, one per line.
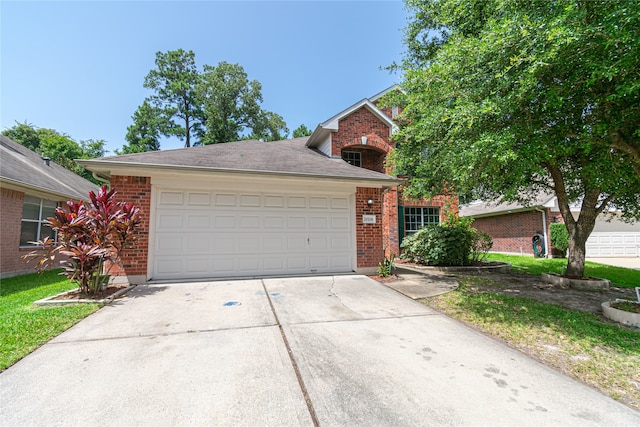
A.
pixel 198 222
pixel 203 234
pixel 611 244
pixel 248 222
pixel 171 198
pixel 199 199
pixel 274 201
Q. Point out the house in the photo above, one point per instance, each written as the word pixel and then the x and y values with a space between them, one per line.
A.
pixel 512 227
pixel 315 205
pixel 31 187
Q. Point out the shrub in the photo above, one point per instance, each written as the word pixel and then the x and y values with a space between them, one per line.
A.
pixel 386 266
pixel 439 245
pixel 559 236
pixel 92 235
pixel 454 242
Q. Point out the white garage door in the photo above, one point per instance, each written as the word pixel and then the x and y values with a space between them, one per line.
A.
pixel 201 234
pixel 613 244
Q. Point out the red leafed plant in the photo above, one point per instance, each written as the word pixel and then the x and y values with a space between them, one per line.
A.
pixel 89 234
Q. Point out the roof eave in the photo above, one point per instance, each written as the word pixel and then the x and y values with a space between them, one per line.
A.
pixel 104 168
pixel 20 186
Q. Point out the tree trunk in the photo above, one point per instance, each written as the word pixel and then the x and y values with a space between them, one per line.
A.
pixel 577 253
pixel 579 229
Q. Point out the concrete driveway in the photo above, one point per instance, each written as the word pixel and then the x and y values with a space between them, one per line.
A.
pixel 340 350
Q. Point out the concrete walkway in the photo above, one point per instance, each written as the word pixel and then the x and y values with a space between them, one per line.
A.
pixel 329 351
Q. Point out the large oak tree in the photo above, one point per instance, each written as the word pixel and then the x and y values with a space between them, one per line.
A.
pixel 506 99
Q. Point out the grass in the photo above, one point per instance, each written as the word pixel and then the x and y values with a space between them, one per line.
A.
pixel 599 353
pixel 619 276
pixel 25 327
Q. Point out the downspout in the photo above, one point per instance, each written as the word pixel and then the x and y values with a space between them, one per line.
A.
pixel 544 227
pixel 101 179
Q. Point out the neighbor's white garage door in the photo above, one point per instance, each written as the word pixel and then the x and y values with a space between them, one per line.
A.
pixel 613 244
pixel 201 234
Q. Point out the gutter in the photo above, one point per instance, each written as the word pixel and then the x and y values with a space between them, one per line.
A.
pixel 97 164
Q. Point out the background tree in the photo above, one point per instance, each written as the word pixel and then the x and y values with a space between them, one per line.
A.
pixel 269 126
pixel 174 81
pixel 231 103
pixel 301 131
pixel 508 99
pixel 24 134
pixel 144 134
pixel 59 147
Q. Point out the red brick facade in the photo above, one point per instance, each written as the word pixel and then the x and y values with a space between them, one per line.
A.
pixel 137 190
pixel 11 262
pixel 369 246
pixel 513 232
pixel 11 220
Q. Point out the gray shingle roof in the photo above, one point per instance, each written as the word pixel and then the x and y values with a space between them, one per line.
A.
pixel 482 208
pixel 21 166
pixel 289 157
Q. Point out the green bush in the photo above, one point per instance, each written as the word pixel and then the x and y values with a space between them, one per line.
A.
pixel 559 236
pixel 454 242
pixel 439 245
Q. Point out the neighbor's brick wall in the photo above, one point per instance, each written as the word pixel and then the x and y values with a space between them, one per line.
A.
pixel 10 219
pixel 513 232
pixel 369 244
pixel 11 262
pixel 136 190
pixel 352 128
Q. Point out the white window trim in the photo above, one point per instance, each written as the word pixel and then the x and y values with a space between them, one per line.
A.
pixel 38 221
pixel 422 209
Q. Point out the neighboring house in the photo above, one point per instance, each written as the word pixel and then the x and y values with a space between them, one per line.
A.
pixel 316 205
pixel 513 226
pixel 31 187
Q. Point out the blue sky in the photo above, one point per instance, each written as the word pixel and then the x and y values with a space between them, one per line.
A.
pixel 78 66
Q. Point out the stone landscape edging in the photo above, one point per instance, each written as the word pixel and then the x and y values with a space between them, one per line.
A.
pixel 620 316
pixel 592 284
pixel 502 267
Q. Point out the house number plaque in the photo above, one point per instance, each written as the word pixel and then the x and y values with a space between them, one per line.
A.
pixel 368 219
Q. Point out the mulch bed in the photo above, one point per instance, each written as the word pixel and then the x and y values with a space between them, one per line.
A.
pixel 76 294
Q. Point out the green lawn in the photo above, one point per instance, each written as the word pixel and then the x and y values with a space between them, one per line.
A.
pixel 621 277
pixel 23 326
pixel 581 344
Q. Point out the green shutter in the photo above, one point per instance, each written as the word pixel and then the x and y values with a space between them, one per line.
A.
pixel 400 224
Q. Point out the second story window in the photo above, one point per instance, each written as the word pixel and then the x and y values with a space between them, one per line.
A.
pixel 352 157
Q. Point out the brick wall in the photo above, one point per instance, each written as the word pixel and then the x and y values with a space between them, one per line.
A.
pixel 371 158
pixel 391 235
pixel 10 217
pixel 369 242
pixel 11 262
pixel 137 190
pixel 513 232
pixel 352 128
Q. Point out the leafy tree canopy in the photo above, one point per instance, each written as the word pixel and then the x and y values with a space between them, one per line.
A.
pixel 59 147
pixel 507 99
pixel 219 104
pixel 144 134
pixel 301 131
pixel 174 81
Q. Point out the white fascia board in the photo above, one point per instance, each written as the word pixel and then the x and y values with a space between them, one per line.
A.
pixel 379 95
pixel 42 192
pixel 107 168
